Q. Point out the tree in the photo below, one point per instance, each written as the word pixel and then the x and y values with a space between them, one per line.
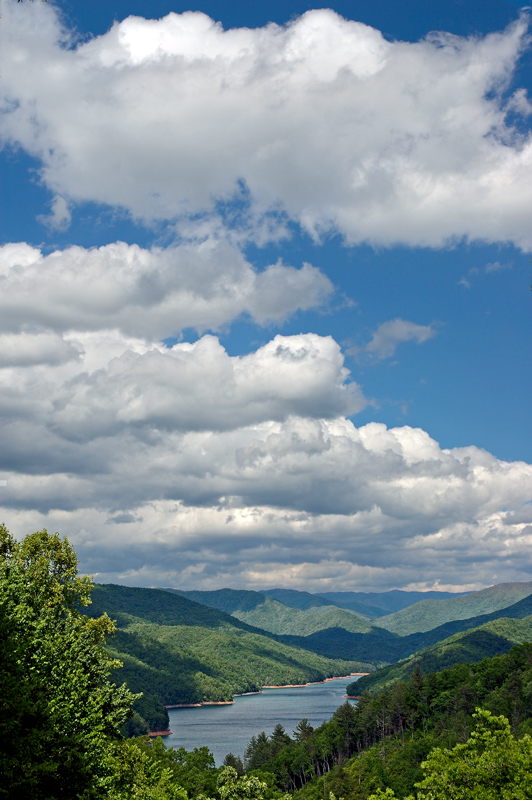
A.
pixel 135 773
pixel 58 710
pixel 234 761
pixel 303 731
pixel 231 786
pixel 491 765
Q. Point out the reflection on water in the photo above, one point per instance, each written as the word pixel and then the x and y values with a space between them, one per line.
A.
pixel 228 729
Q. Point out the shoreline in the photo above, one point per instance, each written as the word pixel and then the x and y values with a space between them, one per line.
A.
pixel 153 734
pixel 246 694
pixel 206 703
pixel 315 683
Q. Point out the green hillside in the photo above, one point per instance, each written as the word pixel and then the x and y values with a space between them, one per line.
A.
pixel 429 614
pixel 278 618
pixel 382 647
pixel 262 611
pixel 228 600
pixel 491 639
pixel 177 651
pixel 379 604
pixel 295 599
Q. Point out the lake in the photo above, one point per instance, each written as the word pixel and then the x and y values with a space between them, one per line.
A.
pixel 228 729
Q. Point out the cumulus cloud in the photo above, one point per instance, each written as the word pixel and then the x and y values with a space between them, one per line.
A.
pixel 206 469
pixel 199 387
pixel 304 503
pixel 321 121
pixel 149 293
pixel 40 348
pixel 91 397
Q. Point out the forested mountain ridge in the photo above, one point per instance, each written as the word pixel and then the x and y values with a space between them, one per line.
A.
pixel 297 599
pixel 428 614
pixel 379 604
pixel 161 606
pixel 381 647
pixel 491 639
pixel 175 651
pixel 269 614
pixel 283 620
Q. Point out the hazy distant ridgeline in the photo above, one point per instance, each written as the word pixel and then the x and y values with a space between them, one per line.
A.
pixel 378 604
pixel 261 611
pixel 296 599
pixel 175 650
pixel 428 614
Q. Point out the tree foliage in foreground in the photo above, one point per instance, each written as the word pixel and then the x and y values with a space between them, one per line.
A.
pixel 58 709
pixel 491 765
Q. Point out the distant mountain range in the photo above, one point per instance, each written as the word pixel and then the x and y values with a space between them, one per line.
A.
pixel 369 604
pixel 428 614
pixel 262 611
pixel 205 646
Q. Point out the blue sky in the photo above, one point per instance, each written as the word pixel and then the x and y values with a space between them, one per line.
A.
pixel 384 440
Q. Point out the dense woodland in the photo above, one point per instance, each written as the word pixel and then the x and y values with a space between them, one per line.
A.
pixel 382 741
pixel 66 727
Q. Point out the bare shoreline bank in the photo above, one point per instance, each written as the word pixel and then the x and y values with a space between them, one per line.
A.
pixel 279 686
pixel 315 683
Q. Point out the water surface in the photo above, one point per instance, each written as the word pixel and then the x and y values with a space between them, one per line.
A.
pixel 228 729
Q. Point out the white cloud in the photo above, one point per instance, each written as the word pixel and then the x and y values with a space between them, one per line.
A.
pixel 304 503
pixel 390 334
pixel 496 266
pixel 187 465
pixel 199 387
pixel 60 215
pixel 322 121
pixel 149 293
pixel 27 349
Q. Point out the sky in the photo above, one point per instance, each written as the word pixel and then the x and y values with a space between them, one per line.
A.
pixel 265 307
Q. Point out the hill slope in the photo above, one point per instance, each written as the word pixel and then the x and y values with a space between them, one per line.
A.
pixel 429 614
pixel 378 604
pixel 177 651
pixel 382 647
pixel 295 599
pixel 262 611
pixel 491 639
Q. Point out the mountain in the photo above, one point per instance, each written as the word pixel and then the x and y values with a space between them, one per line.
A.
pixel 429 614
pixel 382 647
pixel 175 651
pixel 491 639
pixel 296 599
pixel 377 604
pixel 262 611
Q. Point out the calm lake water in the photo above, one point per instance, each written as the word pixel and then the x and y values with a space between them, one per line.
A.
pixel 228 729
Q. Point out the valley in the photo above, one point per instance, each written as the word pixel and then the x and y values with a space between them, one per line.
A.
pixel 191 647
